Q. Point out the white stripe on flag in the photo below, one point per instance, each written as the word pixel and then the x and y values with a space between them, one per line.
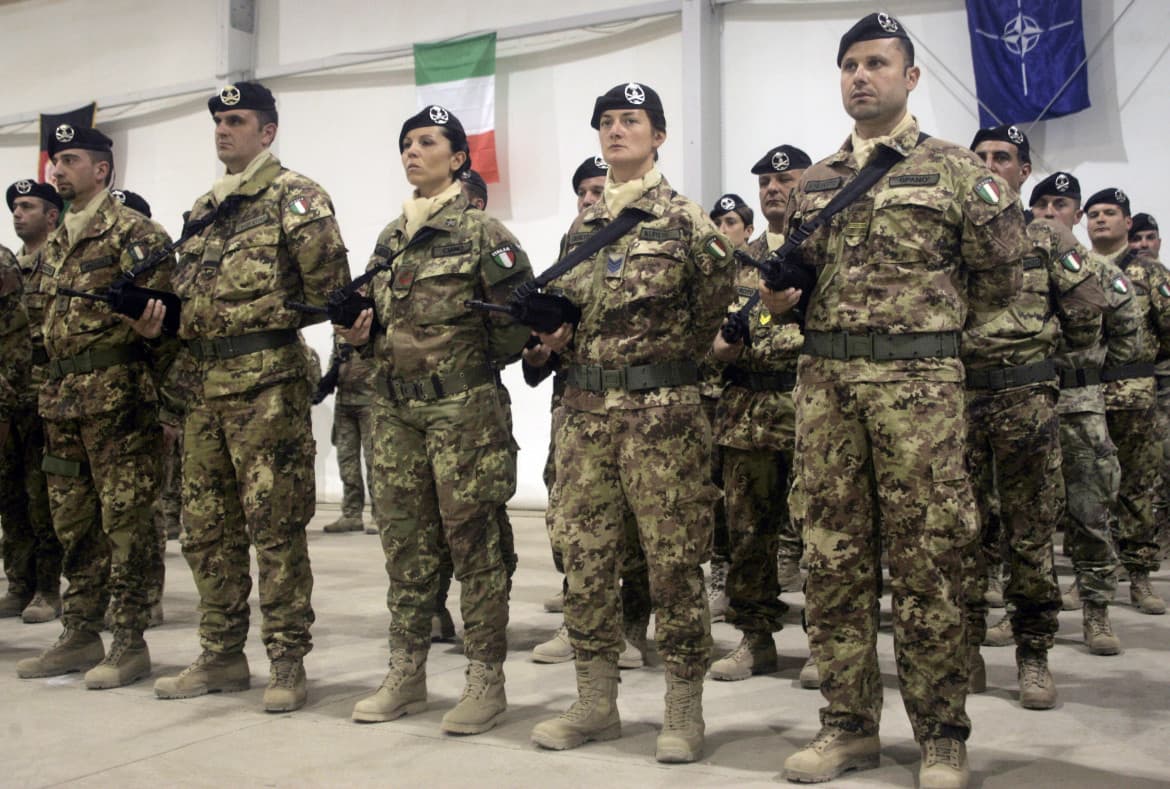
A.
pixel 472 100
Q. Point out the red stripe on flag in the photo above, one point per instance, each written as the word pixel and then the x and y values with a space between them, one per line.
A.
pixel 483 156
pixel 43 166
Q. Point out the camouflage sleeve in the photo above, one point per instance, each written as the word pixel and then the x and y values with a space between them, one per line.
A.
pixel 314 241
pixel 1079 297
pixel 15 337
pixel 503 266
pixel 994 239
pixel 1123 320
pixel 178 387
pixel 714 285
pixel 1160 305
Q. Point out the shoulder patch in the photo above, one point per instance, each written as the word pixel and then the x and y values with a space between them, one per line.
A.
pixel 1120 284
pixel 299 206
pixel 1071 261
pixel 988 191
pixel 1164 290
pixel 824 185
pixel 504 256
pixel 914 179
pixel 137 253
pixel 716 247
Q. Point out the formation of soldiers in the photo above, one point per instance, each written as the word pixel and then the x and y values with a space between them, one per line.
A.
pixel 909 380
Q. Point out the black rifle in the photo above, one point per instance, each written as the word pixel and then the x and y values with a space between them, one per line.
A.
pixel 328 382
pixel 543 312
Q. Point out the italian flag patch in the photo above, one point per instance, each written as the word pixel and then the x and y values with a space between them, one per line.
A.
pixel 988 191
pixel 1071 261
pixel 716 248
pixel 300 206
pixel 1120 285
pixel 504 256
pixel 1164 290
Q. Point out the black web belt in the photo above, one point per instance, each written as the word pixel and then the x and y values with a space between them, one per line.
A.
pixel 89 361
pixel 434 387
pixel 1008 377
pixel 633 378
pixel 241 344
pixel 881 347
pixel 1126 371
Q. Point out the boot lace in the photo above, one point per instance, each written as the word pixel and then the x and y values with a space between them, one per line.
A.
pixel 679 700
pixel 284 673
pixel 944 750
pixel 1097 623
pixel 477 680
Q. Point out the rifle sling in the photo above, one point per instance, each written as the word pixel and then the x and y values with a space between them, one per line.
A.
pixel 624 222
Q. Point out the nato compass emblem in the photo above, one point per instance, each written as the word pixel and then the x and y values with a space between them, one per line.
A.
pixel 1020 35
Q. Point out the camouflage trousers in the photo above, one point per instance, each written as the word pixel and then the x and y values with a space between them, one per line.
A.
pixel 755 492
pixel 507 551
pixel 442 472
pixel 31 550
pixel 102 474
pixel 1162 499
pixel 248 479
pixel 652 464
pixel 353 435
pixel 168 510
pixel 720 537
pixel 1138 436
pixel 1013 454
pixel 1091 478
pixel 882 464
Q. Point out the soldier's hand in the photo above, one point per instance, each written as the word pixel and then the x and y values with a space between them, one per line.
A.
pixel 358 334
pixel 537 356
pixel 149 325
pixel 724 351
pixel 558 340
pixel 779 302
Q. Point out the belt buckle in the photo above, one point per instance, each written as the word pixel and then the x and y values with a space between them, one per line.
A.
pixel 613 379
pixel 839 345
pixel 226 348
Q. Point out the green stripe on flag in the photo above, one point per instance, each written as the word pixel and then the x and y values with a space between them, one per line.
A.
pixel 448 61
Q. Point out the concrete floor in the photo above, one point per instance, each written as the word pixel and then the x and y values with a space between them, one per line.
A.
pixel 1110 728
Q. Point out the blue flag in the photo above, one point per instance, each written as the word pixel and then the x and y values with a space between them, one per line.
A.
pixel 1029 59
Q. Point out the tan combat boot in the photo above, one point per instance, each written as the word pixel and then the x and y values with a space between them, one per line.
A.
pixel 13 604
pixel 633 654
pixel 593 717
pixel 1037 688
pixel 127 661
pixel 832 752
pixel 976 672
pixel 756 654
pixel 1070 599
pixel 211 672
pixel 403 691
pixel 557 649
pixel 75 650
pixel 44 607
pixel 1141 594
pixel 994 594
pixel 1000 634
pixel 944 764
pixel 287 687
pixel 482 703
pixel 555 604
pixel 810 674
pixel 1098 632
pixel 344 524
pixel 717 599
pixel 681 738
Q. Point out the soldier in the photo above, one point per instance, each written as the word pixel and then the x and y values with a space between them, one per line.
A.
pixel 268 236
pixel 1013 442
pixel 443 453
pixel 32 552
pixel 353 434
pixel 474 189
pixel 99 403
pixel 632 437
pixel 1089 457
pixel 1144 236
pixel 880 431
pixel 15 345
pixel 1131 397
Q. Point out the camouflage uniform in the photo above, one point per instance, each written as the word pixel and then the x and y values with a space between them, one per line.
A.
pixel 1131 410
pixel 880 435
pixel 650 303
pixel 1013 443
pixel 353 428
pixel 1089 457
pixel 32 552
pixel 755 428
pixel 248 447
pixel 444 457
pixel 100 406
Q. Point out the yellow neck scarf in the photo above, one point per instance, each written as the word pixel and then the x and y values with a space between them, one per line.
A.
pixel 418 210
pixel 863 149
pixel 230 182
pixel 775 240
pixel 77 221
pixel 620 195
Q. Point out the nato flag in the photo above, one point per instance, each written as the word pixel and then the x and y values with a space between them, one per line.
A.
pixel 1029 59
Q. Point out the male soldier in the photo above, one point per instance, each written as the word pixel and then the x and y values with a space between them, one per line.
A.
pixel 15 344
pixel 353 433
pixel 1144 236
pixel 880 431
pixel 1013 442
pixel 1131 397
pixel 32 552
pixel 474 189
pixel 247 438
pixel 1089 458
pixel 99 403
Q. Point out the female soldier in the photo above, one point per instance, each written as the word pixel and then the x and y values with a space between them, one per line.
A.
pixel 444 458
pixel 633 437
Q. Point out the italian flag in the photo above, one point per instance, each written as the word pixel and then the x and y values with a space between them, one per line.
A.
pixel 460 75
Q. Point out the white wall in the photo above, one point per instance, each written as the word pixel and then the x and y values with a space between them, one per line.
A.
pixel 340 128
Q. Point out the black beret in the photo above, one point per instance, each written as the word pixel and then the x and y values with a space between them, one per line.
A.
pixel 66 137
pixel 434 115
pixel 475 182
pixel 592 167
pixel 28 188
pixel 1059 184
pixel 1142 222
pixel 1006 133
pixel 728 203
pixel 877 25
pixel 131 200
pixel 242 96
pixel 630 96
pixel 1110 196
pixel 781 158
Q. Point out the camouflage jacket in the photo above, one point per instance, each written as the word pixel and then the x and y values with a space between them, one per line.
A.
pixel 1121 341
pixel 15 339
pixel 355 381
pixel 934 236
pixel 419 301
pixel 115 241
pixel 657 294
pixel 34 304
pixel 1151 292
pixel 747 419
pixel 282 243
pixel 1060 304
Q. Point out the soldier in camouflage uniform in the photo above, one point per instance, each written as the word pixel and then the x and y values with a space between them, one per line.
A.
pixel 632 437
pixel 15 345
pixel 1013 442
pixel 1089 458
pixel 1131 407
pixel 32 552
pixel 444 456
pixel 353 431
pixel 248 448
pixel 880 432
pixel 755 427
pixel 99 403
